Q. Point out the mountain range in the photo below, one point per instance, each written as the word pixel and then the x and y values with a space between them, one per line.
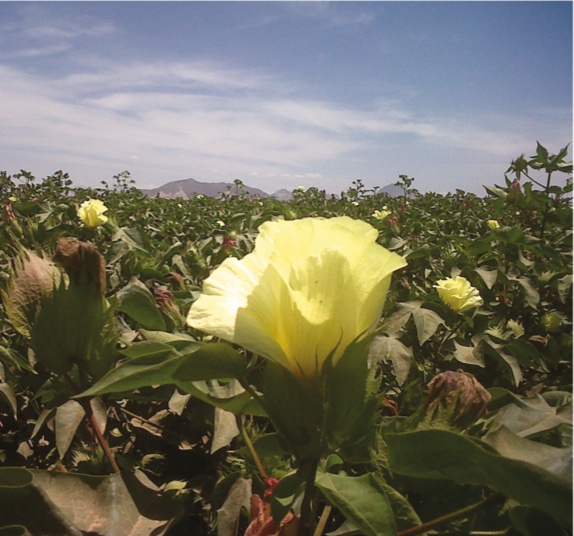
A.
pixel 189 188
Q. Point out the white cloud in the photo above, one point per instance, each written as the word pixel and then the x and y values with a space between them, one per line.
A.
pixel 330 13
pixel 174 120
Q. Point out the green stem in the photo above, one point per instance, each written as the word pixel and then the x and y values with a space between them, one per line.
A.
pixel 99 435
pixel 307 522
pixel 94 423
pixel 533 180
pixel 251 448
pixel 453 516
pixel 547 207
pixel 323 521
pixel 448 335
pixel 245 384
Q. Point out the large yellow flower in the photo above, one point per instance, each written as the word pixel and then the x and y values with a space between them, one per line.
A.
pixel 91 213
pixel 458 294
pixel 310 288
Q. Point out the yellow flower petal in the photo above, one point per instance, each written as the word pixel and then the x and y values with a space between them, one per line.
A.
pixel 458 294
pixel 309 289
pixel 91 212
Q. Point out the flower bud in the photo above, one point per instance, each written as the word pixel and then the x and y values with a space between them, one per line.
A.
pixel 33 279
pixel 460 394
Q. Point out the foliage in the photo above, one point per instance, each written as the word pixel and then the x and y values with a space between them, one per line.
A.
pixel 108 398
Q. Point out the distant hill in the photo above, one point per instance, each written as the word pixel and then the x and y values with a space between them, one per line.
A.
pixel 391 189
pixel 189 188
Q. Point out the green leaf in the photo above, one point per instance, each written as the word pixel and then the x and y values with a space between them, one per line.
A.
pixel 284 494
pixel 511 363
pixel 139 304
pixel 426 322
pixel 532 295
pixel 398 319
pixel 149 369
pixel 362 500
pixel 532 416
pixel 440 454
pixel 68 504
pixel 478 247
pixel 405 515
pixel 393 350
pixel 224 429
pixel 239 404
pixel 470 355
pixel 488 275
pixel 7 393
pixel 68 418
pixel 531 522
pixel 10 356
pixel 349 411
pixel 496 191
pixel 238 499
pixel 553 459
pixel 211 361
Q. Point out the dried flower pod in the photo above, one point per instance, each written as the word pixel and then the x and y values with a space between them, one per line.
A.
pixel 460 393
pixel 78 257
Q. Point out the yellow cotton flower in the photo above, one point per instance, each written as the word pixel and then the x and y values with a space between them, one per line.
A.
pixel 381 214
pixel 91 212
pixel 493 224
pixel 309 289
pixel 516 328
pixel 552 321
pixel 458 294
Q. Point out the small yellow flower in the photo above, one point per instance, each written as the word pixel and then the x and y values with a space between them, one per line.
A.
pixel 458 294
pixel 493 224
pixel 381 214
pixel 91 213
pixel 516 328
pixel 552 321
pixel 547 276
pixel 310 288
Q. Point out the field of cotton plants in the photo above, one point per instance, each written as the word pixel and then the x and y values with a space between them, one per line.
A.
pixel 329 365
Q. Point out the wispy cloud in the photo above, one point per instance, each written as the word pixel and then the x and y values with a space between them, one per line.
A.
pixel 332 14
pixel 42 34
pixel 165 121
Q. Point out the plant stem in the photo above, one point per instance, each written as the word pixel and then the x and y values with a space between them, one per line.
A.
pixel 547 206
pixel 447 335
pixel 86 404
pixel 453 516
pixel 307 525
pixel 100 436
pixel 251 448
pixel 323 521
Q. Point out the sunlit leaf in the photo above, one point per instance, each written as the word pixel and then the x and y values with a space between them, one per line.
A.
pixel 439 454
pixel 362 500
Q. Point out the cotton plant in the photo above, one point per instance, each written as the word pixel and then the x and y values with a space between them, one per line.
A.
pixel 307 301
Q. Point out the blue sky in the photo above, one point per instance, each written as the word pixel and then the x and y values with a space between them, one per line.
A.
pixel 283 94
